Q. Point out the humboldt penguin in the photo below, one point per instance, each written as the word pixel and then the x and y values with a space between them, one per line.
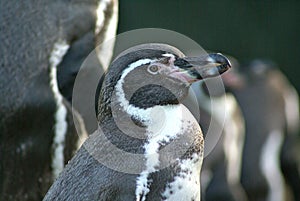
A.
pixel 148 145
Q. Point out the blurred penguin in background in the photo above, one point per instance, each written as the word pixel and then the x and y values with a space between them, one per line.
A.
pixel 43 44
pixel 221 120
pixel 269 103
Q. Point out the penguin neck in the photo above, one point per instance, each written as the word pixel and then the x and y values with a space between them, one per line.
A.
pixel 143 109
pixel 151 119
pixel 136 125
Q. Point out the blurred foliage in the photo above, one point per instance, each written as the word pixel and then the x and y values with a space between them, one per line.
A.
pixel 244 29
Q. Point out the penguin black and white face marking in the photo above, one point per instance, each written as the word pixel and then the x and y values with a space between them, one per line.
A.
pixel 165 80
pixel 150 82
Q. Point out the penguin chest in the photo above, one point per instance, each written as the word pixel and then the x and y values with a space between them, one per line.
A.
pixel 186 184
pixel 173 153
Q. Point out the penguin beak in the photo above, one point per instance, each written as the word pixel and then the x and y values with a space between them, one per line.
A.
pixel 192 69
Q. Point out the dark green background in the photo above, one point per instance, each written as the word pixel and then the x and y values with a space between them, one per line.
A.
pixel 244 29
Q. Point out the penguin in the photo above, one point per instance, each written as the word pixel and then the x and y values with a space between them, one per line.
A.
pixel 269 104
pixel 37 127
pixel 148 145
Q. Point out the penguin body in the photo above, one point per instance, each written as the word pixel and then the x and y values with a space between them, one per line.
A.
pixel 265 95
pixel 148 145
pixel 94 181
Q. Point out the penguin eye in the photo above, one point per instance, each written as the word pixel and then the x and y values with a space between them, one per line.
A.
pixel 153 69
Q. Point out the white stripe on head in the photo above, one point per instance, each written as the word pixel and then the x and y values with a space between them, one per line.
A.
pixel 269 164
pixel 130 109
pixel 59 50
pixel 171 56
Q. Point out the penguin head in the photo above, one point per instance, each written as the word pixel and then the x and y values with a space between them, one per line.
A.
pixel 155 74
